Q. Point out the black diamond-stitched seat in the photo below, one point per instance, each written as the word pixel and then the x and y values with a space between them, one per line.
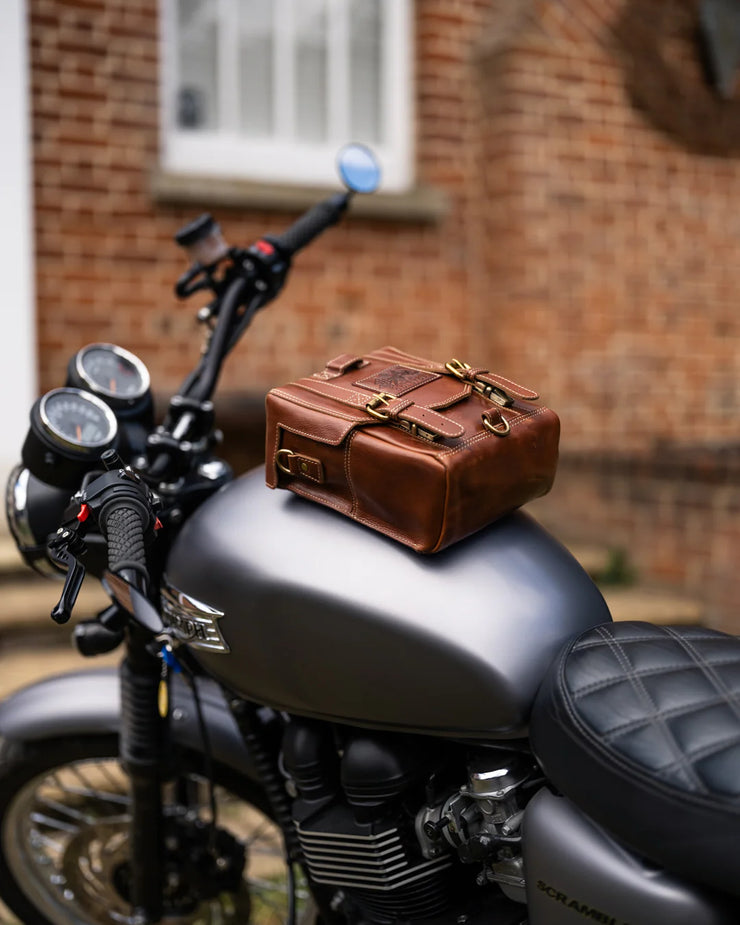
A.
pixel 640 726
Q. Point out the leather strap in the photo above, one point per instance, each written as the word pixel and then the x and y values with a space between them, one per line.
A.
pixel 339 366
pixel 388 408
pixel 466 374
pixel 302 466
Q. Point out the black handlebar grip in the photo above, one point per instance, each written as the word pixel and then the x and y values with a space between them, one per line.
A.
pixel 123 526
pixel 308 226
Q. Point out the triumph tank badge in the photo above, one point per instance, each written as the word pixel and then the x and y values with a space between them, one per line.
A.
pixel 191 621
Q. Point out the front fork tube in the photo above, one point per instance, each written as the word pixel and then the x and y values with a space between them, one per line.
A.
pixel 142 747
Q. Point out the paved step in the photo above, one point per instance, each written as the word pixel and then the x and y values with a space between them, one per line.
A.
pixel 25 604
pixel 634 602
pixel 11 561
pixel 652 606
pixel 21 664
pixel 26 598
pixel 593 559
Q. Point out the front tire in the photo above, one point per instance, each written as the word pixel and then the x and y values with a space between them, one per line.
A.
pixel 64 837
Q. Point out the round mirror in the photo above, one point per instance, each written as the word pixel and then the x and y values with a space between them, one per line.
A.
pixel 358 168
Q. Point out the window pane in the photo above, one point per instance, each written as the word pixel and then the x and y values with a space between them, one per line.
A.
pixel 196 104
pixel 365 65
pixel 311 63
pixel 256 55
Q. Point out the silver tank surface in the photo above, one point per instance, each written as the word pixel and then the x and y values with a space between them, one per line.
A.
pixel 326 618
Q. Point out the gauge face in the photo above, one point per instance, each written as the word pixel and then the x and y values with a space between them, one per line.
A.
pixel 77 419
pixel 112 371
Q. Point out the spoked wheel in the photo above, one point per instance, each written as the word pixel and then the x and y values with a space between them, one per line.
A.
pixel 64 813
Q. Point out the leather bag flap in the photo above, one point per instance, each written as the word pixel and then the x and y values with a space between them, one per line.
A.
pixel 307 418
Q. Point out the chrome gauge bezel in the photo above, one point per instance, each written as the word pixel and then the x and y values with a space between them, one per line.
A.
pixel 62 441
pixel 96 388
pixel 31 548
pixel 16 506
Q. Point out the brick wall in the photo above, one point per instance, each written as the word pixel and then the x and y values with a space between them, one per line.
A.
pixel 105 259
pixel 675 517
pixel 613 176
pixel 590 248
pixel 616 228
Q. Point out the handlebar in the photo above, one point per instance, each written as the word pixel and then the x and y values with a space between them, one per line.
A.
pixel 255 278
pixel 311 224
pixel 123 526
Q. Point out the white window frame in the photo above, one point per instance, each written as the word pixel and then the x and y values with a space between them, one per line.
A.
pixel 18 346
pixel 226 153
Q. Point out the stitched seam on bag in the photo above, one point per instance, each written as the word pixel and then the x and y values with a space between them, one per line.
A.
pixel 278 428
pixel 384 528
pixel 448 402
pixel 606 683
pixel 347 475
pixel 522 388
pixel 337 505
pixel 305 475
pixel 432 366
pixel 432 423
pixel 485 434
pixel 304 404
pixel 617 731
pixel 585 734
pixel 302 433
pixel 361 400
pixel 408 359
pixel 706 669
pixel 644 695
pixel 354 398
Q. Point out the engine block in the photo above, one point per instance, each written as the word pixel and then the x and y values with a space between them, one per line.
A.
pixel 387 877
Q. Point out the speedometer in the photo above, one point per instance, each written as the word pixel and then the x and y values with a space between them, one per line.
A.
pixel 76 420
pixel 121 380
pixel 69 431
pixel 110 371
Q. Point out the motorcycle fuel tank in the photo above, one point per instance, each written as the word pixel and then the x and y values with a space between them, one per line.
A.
pixel 327 618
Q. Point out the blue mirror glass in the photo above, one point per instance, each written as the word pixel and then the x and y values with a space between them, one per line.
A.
pixel 358 168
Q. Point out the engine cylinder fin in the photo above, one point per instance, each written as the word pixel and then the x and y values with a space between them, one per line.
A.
pixel 362 881
pixel 312 833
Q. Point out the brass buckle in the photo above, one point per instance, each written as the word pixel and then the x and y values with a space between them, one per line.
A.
pixel 457 368
pixel 501 429
pixel 493 393
pixel 411 427
pixel 382 398
pixel 279 463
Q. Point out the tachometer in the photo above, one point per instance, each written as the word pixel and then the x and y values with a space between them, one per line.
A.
pixel 111 372
pixel 69 431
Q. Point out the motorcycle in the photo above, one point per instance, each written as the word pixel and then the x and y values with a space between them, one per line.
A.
pixel 312 722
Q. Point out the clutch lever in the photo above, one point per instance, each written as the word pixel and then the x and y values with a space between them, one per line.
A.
pixel 64 548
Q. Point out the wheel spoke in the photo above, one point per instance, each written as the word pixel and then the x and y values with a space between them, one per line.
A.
pixel 69 863
pixel 51 823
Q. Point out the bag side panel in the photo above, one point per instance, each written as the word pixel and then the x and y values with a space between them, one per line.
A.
pixel 399 486
pixel 489 476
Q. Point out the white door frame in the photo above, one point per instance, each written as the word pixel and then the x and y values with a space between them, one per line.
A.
pixel 18 375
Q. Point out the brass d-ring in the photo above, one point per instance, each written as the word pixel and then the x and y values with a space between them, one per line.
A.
pixel 279 464
pixel 501 430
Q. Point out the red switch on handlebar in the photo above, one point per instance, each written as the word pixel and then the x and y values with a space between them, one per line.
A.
pixel 264 247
